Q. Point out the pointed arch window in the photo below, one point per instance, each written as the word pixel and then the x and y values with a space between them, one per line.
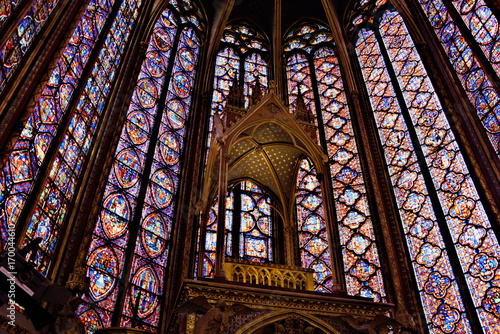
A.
pixel 435 195
pixel 468 32
pixel 313 70
pixel 14 48
pixel 241 60
pixel 243 53
pixel 249 230
pixel 131 239
pixel 23 165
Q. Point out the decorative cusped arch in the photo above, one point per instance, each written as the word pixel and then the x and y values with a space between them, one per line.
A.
pixel 252 141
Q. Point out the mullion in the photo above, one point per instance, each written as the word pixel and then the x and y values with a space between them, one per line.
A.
pixel 485 64
pixel 432 192
pixel 136 220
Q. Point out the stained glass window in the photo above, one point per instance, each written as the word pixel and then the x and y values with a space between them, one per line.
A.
pixel 161 100
pixel 242 54
pixel 255 224
pixel 226 69
pixel 211 235
pixel 59 188
pixel 408 100
pixel 313 235
pixel 476 81
pixel 249 231
pixel 255 68
pixel 46 111
pixel 211 242
pixel 299 81
pixel 16 46
pixel 483 25
pixel 240 61
pixel 320 65
pixel 6 8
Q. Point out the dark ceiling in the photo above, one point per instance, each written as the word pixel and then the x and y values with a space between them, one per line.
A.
pixel 261 12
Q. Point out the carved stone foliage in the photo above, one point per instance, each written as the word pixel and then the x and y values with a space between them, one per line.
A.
pixel 294 325
pixel 231 308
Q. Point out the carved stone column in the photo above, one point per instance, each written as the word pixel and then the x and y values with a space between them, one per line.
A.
pixel 277 50
pixel 202 242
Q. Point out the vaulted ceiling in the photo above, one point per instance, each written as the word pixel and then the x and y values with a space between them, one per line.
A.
pixel 261 12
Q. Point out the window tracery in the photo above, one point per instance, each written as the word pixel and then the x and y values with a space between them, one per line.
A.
pixel 477 82
pixel 149 152
pixel 211 235
pixel 22 167
pixel 18 44
pixel 314 247
pixel 249 230
pixel 434 191
pixel 410 119
pixel 313 69
pixel 241 60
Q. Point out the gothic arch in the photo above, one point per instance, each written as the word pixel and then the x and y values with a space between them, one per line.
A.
pixel 299 141
pixel 275 317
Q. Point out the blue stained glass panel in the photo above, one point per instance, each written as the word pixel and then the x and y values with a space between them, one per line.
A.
pixel 114 219
pixel 466 218
pixel 478 86
pixel 256 229
pixel 162 187
pixel 22 165
pixel 483 25
pixel 430 261
pixel 59 188
pixel 12 52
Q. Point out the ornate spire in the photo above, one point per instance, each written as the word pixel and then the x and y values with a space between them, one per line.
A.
pixel 302 111
pixel 256 91
pixel 235 106
pixel 235 98
pixel 304 116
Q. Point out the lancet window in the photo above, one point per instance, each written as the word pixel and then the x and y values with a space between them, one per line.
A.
pixel 468 32
pixel 249 230
pixel 243 57
pixel 14 48
pixel 311 227
pixel 46 111
pixel 440 209
pixel 131 239
pixel 314 74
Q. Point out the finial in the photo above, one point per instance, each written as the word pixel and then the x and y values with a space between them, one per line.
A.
pixel 256 90
pixel 235 95
pixel 302 111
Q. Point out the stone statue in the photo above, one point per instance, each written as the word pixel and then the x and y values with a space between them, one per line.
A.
pixel 214 320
